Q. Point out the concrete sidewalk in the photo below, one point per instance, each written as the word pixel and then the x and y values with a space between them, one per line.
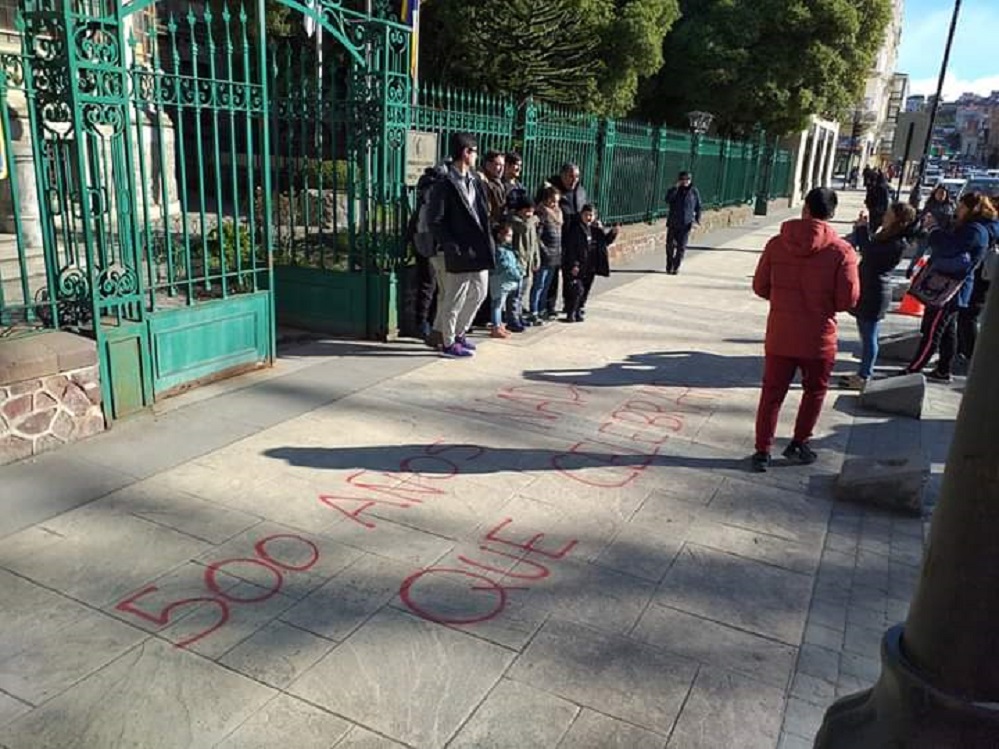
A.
pixel 554 544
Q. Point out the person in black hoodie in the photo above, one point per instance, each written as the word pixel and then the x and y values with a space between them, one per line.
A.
pixel 584 256
pixel 459 220
pixel 877 199
pixel 880 254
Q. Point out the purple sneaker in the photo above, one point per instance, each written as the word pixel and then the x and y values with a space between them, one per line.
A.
pixel 465 343
pixel 457 351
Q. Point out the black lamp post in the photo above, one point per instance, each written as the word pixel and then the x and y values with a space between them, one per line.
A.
pixel 700 123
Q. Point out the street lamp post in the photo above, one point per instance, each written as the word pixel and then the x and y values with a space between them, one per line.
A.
pixel 700 123
pixel 940 84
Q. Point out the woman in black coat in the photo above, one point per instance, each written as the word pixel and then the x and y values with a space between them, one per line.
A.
pixel 880 254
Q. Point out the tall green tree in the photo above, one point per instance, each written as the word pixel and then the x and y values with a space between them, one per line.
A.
pixel 773 62
pixel 586 53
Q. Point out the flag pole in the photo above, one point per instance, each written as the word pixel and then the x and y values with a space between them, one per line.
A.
pixel 414 62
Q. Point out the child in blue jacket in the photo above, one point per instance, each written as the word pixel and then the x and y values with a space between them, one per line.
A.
pixel 504 279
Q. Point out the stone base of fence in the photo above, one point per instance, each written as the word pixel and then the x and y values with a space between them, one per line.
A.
pixel 50 394
pixel 641 238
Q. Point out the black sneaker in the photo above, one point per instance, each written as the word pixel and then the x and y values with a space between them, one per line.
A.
pixel 938 376
pixel 760 462
pixel 800 452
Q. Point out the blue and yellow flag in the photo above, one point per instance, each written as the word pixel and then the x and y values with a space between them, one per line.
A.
pixel 410 15
pixel 409 10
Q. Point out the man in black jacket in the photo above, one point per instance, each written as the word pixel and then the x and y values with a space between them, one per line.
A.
pixel 460 223
pixel 573 198
pixel 684 203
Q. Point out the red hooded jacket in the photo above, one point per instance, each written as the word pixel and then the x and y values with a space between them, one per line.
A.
pixel 809 274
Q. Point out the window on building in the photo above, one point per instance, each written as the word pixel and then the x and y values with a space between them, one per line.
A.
pixel 8 12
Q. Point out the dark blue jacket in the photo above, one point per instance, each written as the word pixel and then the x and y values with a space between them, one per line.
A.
pixel 684 206
pixel 958 253
pixel 879 254
pixel 461 228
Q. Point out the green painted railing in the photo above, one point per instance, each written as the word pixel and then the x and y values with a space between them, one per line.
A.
pixel 446 111
pixel 221 160
pixel 626 165
pixel 554 136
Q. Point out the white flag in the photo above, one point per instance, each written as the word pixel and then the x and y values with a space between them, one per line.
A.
pixel 310 22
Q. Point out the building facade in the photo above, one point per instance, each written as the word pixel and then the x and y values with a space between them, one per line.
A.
pixel 884 97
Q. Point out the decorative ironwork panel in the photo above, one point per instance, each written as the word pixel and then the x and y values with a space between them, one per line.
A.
pixel 554 136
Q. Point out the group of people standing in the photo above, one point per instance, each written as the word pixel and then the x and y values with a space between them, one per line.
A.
pixel 480 235
pixel 809 274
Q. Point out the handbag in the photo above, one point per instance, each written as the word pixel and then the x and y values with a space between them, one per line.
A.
pixel 935 289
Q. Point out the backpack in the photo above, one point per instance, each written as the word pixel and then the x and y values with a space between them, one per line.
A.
pixel 418 231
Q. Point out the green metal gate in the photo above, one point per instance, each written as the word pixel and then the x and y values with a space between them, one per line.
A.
pixel 154 129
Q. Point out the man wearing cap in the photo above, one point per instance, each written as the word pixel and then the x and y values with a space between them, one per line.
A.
pixel 684 203
pixel 460 223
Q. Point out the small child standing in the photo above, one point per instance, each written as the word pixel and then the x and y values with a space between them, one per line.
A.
pixel 550 229
pixel 585 256
pixel 504 279
pixel 527 248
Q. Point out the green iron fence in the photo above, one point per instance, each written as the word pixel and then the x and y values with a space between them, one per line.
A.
pixel 214 165
pixel 553 136
pixel 445 111
pixel 199 111
pixel 626 165
pixel 627 158
pixel 142 195
pixel 780 183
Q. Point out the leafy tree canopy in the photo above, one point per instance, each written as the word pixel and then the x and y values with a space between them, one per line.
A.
pixel 588 54
pixel 773 62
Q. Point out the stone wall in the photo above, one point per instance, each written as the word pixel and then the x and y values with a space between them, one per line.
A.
pixel 39 415
pixel 50 394
pixel 640 238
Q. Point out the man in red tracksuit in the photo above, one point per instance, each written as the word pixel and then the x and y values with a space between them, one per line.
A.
pixel 808 274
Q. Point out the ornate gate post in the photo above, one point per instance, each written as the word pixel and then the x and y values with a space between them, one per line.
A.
pixel 80 86
pixel 381 97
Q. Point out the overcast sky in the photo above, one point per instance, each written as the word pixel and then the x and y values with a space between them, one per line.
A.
pixel 974 63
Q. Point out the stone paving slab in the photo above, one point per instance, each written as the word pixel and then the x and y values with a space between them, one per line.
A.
pixel 515 714
pixel 711 642
pixel 188 703
pixel 593 730
pixel 405 677
pixel 554 544
pixel 615 675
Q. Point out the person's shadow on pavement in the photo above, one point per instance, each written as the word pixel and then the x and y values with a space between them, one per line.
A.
pixel 698 369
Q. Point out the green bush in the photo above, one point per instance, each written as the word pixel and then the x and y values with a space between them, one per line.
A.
pixel 314 169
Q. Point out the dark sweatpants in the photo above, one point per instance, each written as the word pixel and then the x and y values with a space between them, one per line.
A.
pixel 676 246
pixel 577 292
pixel 426 291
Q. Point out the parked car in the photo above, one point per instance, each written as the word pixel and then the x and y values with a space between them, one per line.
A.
pixel 987 185
pixel 954 186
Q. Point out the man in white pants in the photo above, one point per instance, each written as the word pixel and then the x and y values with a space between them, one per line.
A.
pixel 460 223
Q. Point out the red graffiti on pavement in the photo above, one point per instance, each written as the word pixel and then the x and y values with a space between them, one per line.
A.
pixel 647 420
pixel 474 570
pixel 418 480
pixel 220 597
pixel 538 404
